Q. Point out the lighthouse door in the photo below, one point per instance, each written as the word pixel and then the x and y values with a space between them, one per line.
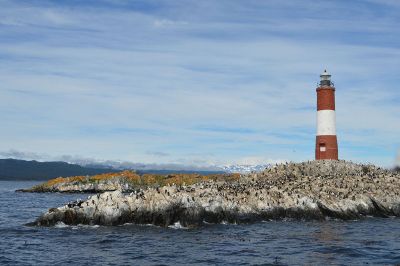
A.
pixel 321 150
pixel 322 147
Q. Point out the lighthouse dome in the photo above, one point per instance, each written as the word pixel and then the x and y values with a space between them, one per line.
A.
pixel 325 75
pixel 325 78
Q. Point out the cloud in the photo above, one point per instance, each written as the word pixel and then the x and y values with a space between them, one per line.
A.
pixel 158 153
pixel 21 155
pixel 166 23
pixel 209 81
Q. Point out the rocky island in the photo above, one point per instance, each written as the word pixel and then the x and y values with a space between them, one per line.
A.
pixel 309 190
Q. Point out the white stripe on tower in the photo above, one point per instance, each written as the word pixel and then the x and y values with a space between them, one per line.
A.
pixel 326 122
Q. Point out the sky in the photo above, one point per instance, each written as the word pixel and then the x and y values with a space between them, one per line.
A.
pixel 197 82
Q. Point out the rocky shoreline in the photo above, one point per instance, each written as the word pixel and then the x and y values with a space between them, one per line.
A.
pixel 309 190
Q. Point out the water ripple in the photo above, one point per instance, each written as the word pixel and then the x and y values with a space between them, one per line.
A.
pixel 370 241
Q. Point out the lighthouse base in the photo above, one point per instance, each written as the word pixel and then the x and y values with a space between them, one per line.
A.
pixel 326 148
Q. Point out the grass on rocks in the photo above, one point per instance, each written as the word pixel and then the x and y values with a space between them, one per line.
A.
pixel 135 179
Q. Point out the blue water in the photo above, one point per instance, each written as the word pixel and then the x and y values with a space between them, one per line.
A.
pixel 370 241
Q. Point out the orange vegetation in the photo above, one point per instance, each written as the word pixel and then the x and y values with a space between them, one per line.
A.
pixel 143 180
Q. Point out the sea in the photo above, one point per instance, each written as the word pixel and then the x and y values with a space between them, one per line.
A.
pixel 369 241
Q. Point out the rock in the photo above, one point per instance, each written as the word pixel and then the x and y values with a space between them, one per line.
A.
pixel 311 190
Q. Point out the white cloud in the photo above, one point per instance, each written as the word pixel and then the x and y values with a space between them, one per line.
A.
pixel 15 154
pixel 117 82
pixel 167 23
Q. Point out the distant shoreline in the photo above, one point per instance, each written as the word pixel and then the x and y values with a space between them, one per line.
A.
pixel 23 170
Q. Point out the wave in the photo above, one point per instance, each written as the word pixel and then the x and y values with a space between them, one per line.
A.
pixel 177 225
pixel 63 225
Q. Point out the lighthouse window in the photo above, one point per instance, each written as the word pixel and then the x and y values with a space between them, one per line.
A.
pixel 322 147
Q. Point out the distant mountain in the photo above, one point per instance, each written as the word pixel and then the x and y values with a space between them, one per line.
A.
pixel 12 169
pixel 174 168
pixel 244 168
pixel 124 165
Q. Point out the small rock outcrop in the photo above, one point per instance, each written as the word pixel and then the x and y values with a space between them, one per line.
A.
pixel 310 190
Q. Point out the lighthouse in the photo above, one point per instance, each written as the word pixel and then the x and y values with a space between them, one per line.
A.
pixel 326 147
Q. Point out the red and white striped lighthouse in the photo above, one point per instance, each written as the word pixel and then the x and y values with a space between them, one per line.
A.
pixel 326 147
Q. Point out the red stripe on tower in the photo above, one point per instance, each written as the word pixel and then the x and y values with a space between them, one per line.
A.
pixel 326 147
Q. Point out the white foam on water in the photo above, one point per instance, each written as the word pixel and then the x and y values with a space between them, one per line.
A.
pixel 60 225
pixel 75 227
pixel 150 225
pixel 88 226
pixel 267 221
pixel 127 224
pixel 177 225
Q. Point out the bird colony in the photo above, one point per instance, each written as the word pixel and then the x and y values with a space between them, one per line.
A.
pixel 319 190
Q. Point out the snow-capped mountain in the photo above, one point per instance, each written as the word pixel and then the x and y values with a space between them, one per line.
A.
pixel 229 168
pixel 244 168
